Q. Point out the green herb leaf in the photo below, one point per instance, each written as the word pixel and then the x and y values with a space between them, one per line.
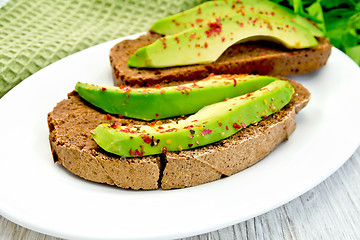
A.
pixel 339 19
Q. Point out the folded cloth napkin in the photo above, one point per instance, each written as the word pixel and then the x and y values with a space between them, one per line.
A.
pixel 36 33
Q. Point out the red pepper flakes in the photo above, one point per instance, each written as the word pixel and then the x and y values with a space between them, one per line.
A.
pixel 219 123
pixel 214 28
pixel 164 149
pixel 206 131
pixel 272 13
pixel 194 84
pixel 192 36
pixel 146 138
pixel 205 45
pixel 199 10
pixel 126 89
pixel 237 126
pixel 160 127
pixel 233 6
pixel 198 20
pixel 103 89
pixel 227 128
pixel 108 117
pixel 171 130
pixel 131 152
pixel 190 145
pixel 121 86
pixel 177 39
pixel 120 116
pixel 223 39
pixel 157 86
pixel 156 115
pixel 198 54
pixel 152 124
pixel 183 89
pixel 234 82
pixel 164 45
pixel 138 153
pixel 176 23
pixel 243 125
pixel 115 125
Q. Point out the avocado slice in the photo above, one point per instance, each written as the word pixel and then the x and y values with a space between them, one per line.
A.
pixel 205 44
pixel 210 124
pixel 158 103
pixel 210 11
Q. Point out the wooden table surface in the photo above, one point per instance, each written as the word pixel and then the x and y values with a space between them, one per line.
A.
pixel 330 210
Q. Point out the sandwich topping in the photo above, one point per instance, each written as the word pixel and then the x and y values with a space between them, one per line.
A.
pixel 210 124
pixel 206 44
pixel 209 11
pixel 165 102
pixel 200 37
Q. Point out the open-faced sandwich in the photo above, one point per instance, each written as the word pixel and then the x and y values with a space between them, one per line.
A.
pixel 272 40
pixel 198 115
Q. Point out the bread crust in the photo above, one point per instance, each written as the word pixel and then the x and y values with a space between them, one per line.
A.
pixel 264 58
pixel 72 120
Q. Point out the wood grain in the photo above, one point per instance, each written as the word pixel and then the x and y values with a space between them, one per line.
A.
pixel 331 210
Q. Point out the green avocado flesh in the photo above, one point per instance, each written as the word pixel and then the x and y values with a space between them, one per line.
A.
pixel 209 11
pixel 205 44
pixel 159 103
pixel 210 124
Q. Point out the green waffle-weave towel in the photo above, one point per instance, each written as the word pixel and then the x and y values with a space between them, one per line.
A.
pixel 35 33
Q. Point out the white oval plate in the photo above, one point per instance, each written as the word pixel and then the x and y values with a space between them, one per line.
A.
pixel 42 196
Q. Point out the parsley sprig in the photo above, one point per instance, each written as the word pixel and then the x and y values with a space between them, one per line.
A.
pixel 339 19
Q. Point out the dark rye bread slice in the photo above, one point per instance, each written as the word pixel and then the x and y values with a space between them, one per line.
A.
pixel 264 58
pixel 72 121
